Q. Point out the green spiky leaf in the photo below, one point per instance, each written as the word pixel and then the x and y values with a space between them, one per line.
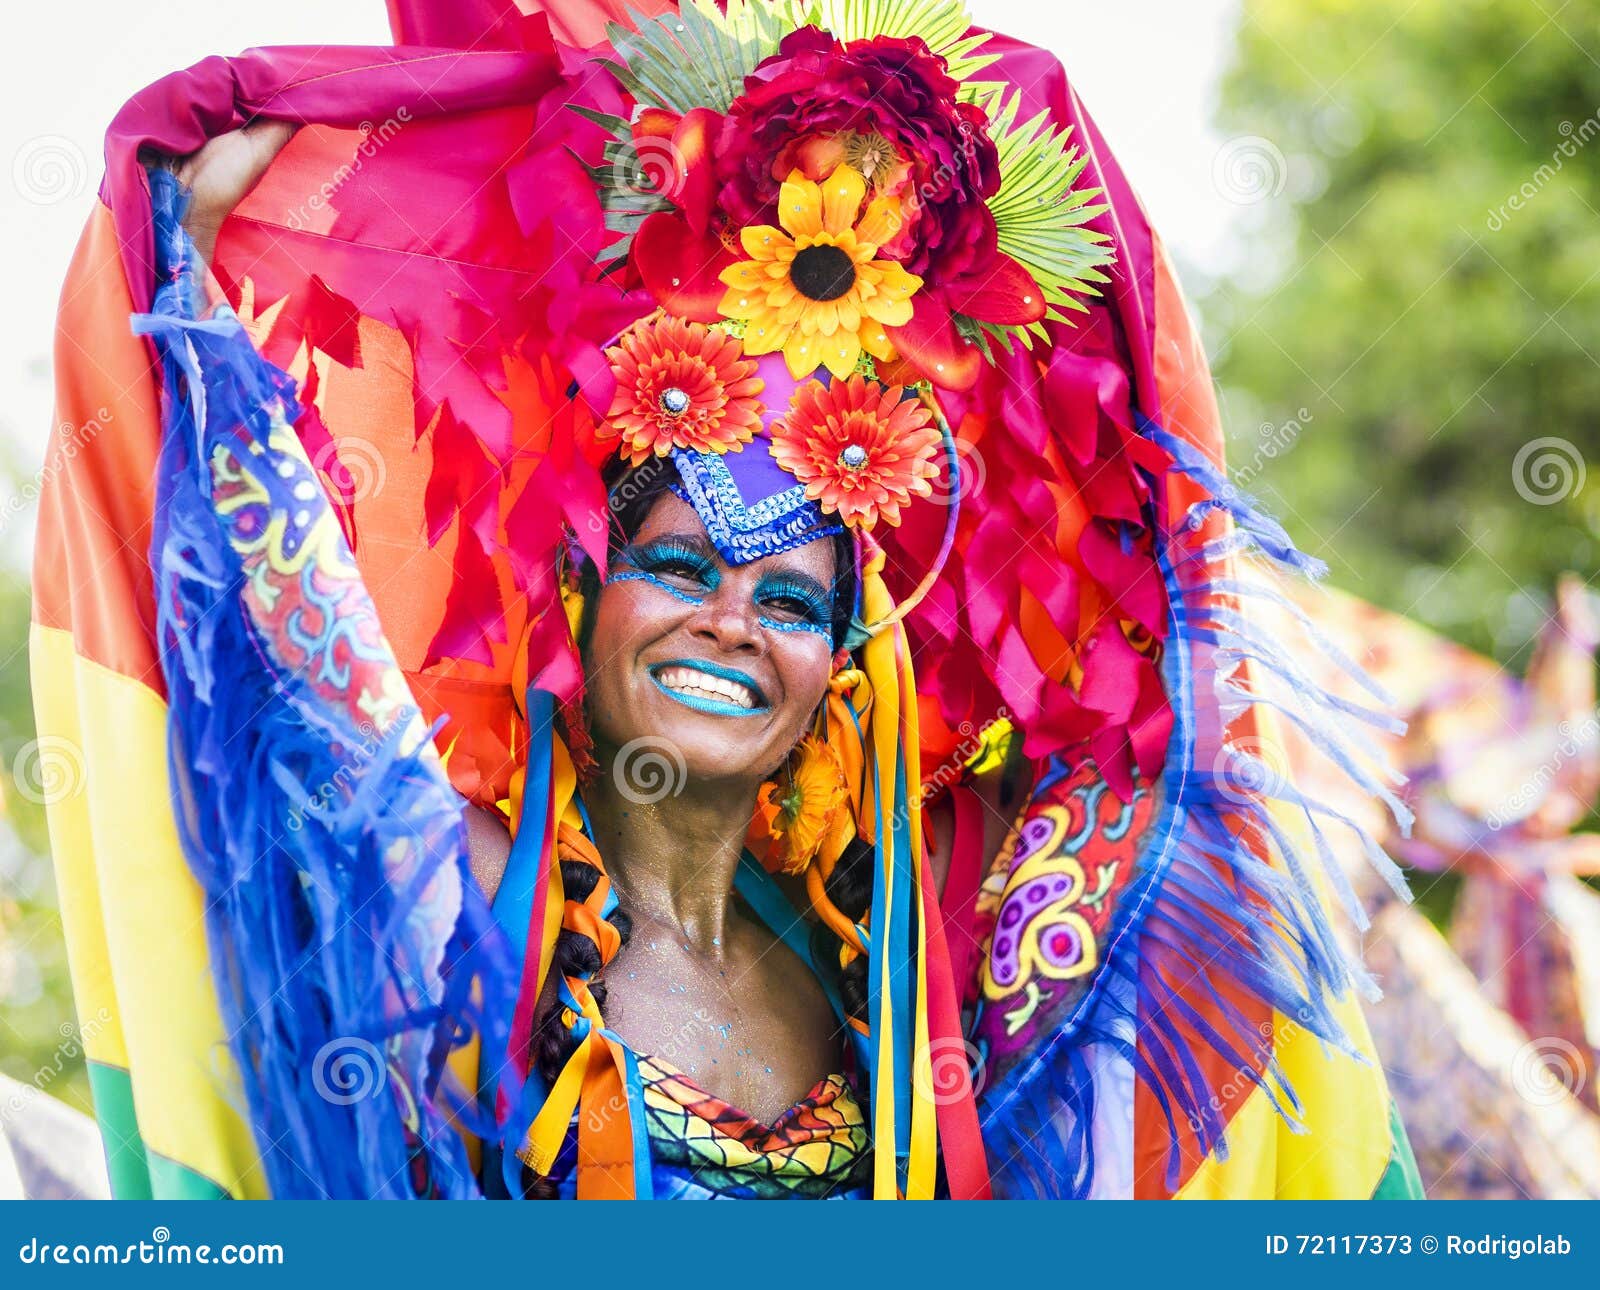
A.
pixel 943 24
pixel 697 56
pixel 1040 217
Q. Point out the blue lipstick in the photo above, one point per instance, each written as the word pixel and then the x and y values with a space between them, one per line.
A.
pixel 700 702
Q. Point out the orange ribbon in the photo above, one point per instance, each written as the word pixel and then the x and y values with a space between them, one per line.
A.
pixel 592 1081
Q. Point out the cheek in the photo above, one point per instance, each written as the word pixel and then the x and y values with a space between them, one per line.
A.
pixel 621 622
pixel 805 662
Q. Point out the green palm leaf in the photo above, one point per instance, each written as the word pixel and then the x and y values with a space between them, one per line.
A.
pixel 1040 217
pixel 943 24
pixel 698 56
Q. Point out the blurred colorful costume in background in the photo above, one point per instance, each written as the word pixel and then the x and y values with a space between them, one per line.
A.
pixel 300 593
pixel 1490 1031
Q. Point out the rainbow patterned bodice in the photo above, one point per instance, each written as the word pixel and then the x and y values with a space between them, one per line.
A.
pixel 703 1148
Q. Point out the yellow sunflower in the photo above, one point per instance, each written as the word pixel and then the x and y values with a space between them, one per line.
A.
pixel 814 288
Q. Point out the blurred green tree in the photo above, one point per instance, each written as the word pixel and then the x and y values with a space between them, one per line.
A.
pixel 1408 357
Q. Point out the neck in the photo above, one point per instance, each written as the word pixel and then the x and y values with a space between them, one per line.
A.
pixel 673 862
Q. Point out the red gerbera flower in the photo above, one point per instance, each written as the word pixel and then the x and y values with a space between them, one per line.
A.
pixel 681 385
pixel 861 449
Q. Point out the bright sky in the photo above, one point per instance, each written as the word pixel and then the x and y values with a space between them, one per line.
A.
pixel 1146 68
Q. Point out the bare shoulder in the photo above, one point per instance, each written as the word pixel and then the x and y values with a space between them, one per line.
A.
pixel 488 848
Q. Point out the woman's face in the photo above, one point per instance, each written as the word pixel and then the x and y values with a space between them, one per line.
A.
pixel 723 663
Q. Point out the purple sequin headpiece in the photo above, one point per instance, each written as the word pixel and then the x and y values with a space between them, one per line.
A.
pixel 750 505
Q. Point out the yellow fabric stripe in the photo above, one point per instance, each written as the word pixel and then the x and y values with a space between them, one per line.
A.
pixel 922 1169
pixel 877 661
pixel 133 916
pixel 1344 1150
pixel 94 992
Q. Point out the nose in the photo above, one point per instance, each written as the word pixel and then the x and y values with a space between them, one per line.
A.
pixel 728 618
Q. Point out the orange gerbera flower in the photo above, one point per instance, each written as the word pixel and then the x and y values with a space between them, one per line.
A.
pixel 813 807
pixel 861 449
pixel 814 288
pixel 681 385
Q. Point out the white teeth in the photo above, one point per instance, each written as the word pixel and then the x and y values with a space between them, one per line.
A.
pixel 690 680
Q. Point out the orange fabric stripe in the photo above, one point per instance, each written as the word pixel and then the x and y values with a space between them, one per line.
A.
pixel 91 571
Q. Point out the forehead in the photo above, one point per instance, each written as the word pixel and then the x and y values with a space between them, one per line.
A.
pixel 671 514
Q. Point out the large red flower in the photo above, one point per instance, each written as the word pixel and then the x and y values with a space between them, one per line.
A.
pixel 887 106
pixel 862 450
pixel 681 385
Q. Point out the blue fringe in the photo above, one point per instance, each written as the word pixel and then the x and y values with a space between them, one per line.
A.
pixel 339 1014
pixel 1192 916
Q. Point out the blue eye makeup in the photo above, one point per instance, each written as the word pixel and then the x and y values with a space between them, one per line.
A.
pixel 786 601
pixel 676 566
pixel 790 602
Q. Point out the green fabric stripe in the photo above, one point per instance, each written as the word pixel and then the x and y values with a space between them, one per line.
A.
pixel 112 1090
pixel 173 1181
pixel 136 1173
pixel 1401 1180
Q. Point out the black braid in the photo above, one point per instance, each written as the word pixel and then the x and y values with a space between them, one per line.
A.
pixel 849 887
pixel 575 955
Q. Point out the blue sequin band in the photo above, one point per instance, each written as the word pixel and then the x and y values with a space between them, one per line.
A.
pixel 741 533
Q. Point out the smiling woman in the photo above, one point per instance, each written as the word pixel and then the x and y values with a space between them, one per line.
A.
pixel 719 655
pixel 766 483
